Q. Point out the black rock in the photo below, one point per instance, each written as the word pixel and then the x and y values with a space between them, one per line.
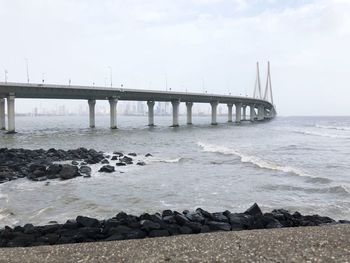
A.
pixel 114 158
pixel 132 154
pixel 135 234
pixel 185 230
pixel 141 163
pixel 205 214
pixel 254 210
pixel 148 225
pixel 107 169
pixel 74 163
pixel 53 169
pixel 86 170
pixel 241 221
pixel 21 240
pixel 219 217
pixel 148 155
pixel 167 213
pixel 159 233
pixel 196 217
pixel 126 159
pixel 213 225
pixel 68 172
pixel 119 154
pixel 87 221
pixel 120 164
pixel 105 161
pixel 50 239
pixel 181 219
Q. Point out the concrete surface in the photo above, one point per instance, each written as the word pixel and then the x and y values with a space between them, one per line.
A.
pixel 308 244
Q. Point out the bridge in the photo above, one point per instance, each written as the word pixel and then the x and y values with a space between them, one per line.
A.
pixel 261 108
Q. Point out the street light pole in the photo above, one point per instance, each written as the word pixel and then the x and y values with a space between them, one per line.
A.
pixel 110 75
pixel 27 70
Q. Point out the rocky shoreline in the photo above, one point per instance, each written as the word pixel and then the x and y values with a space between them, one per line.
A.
pixel 41 165
pixel 168 223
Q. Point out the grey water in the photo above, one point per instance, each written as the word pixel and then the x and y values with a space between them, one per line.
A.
pixel 297 163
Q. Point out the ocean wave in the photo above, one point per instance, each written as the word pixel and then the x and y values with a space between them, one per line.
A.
pixel 328 135
pixel 261 163
pixel 339 128
pixel 338 189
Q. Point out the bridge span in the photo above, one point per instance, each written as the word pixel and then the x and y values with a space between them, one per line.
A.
pixel 260 109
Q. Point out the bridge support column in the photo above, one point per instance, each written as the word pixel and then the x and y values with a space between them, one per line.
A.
pixel 113 112
pixel 214 107
pixel 150 105
pixel 245 112
pixel 252 113
pixel 92 104
pixel 11 114
pixel 175 104
pixel 189 112
pixel 229 115
pixel 2 114
pixel 261 113
pixel 238 112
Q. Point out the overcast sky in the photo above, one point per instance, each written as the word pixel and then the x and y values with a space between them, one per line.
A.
pixel 185 41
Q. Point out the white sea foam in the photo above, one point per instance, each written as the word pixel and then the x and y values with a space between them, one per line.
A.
pixel 261 163
pixel 320 134
pixel 339 128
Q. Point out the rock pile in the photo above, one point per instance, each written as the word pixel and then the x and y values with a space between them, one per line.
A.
pixel 168 223
pixel 40 165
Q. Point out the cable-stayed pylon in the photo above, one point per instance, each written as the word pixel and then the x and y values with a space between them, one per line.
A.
pixel 257 89
pixel 268 89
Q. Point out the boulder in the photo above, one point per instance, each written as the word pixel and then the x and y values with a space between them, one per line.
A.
pixel 141 163
pixel 240 221
pixel 107 169
pixel 132 154
pixel 120 164
pixel 219 217
pixel 87 221
pixel 86 170
pixel 126 159
pixel 196 217
pixel 68 172
pixel 148 155
pixel 105 161
pixel 254 210
pixel 119 154
pixel 218 226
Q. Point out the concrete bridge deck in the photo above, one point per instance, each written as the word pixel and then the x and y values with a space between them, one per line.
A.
pixel 259 109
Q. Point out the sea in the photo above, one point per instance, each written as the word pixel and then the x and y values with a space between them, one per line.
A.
pixel 296 163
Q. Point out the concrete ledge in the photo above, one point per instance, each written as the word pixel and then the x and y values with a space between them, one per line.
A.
pixel 313 244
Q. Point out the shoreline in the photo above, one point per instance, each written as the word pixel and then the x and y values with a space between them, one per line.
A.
pixel 307 244
pixel 168 223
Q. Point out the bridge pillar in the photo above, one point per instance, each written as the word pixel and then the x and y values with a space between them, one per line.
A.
pixel 150 105
pixel 113 112
pixel 2 114
pixel 189 112
pixel 229 115
pixel 238 112
pixel 175 104
pixel 214 107
pixel 261 113
pixel 92 103
pixel 252 113
pixel 11 113
pixel 245 112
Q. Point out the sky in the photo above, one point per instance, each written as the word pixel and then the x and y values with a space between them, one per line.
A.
pixel 195 45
